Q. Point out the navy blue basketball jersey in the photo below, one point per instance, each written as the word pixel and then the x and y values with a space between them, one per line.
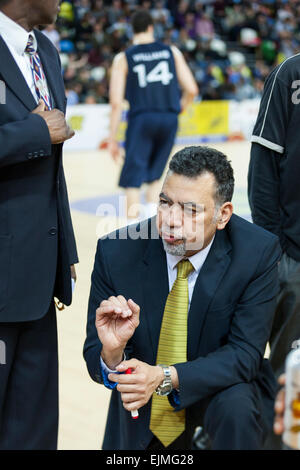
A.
pixel 152 83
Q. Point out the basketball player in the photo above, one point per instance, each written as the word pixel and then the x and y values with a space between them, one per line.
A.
pixel 149 75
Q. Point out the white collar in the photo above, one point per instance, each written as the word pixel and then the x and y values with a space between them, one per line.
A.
pixel 197 260
pixel 14 35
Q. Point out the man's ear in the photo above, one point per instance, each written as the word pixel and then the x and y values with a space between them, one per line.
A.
pixel 224 215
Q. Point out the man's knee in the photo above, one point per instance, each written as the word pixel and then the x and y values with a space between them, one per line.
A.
pixel 229 414
pixel 229 405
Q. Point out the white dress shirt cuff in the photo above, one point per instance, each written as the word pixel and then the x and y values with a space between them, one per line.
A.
pixel 106 369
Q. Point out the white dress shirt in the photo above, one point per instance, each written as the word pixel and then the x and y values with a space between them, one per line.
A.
pixel 197 261
pixel 16 39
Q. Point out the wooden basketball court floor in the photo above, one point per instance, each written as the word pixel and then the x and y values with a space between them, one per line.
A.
pixel 92 179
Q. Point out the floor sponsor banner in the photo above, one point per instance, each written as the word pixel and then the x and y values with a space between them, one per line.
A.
pixel 91 126
pixel 242 117
pixel 205 121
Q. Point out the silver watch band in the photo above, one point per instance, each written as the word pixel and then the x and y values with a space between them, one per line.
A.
pixel 166 386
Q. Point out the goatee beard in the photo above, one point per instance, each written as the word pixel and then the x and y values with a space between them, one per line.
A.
pixel 176 250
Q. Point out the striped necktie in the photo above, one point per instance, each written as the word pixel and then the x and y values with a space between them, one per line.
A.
pixel 165 423
pixel 38 73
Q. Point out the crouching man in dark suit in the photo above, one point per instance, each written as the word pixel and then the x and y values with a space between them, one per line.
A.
pixel 37 245
pixel 188 307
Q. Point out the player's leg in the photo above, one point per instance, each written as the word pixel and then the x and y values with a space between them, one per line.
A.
pixel 133 202
pixel 152 192
pixel 138 148
pixel 165 133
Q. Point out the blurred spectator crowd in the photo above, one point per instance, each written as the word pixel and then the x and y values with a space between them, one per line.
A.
pixel 231 46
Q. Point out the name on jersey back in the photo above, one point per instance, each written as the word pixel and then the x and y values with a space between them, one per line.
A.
pixel 148 56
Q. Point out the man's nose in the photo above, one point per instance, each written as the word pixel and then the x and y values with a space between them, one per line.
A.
pixel 175 216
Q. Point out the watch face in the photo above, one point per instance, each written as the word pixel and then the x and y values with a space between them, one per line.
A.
pixel 164 389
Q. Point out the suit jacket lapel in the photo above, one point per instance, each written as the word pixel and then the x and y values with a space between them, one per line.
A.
pixel 207 282
pixel 155 289
pixel 14 78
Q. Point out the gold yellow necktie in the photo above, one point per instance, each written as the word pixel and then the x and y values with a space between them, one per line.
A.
pixel 165 423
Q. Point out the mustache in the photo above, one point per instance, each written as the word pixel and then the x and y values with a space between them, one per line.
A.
pixel 171 233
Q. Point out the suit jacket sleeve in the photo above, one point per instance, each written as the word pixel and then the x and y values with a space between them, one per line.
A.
pixel 268 149
pixel 241 358
pixel 23 140
pixel 71 243
pixel 275 110
pixel 264 187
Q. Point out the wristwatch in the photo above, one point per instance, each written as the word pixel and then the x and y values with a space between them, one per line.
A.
pixel 166 387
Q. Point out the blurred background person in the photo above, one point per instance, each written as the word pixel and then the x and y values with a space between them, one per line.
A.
pixel 148 74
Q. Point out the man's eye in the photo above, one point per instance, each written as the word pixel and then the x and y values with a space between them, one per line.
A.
pixel 190 209
pixel 163 203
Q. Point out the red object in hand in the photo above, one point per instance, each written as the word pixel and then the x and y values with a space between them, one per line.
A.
pixel 134 413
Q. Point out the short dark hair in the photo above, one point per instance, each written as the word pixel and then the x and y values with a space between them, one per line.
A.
pixel 195 160
pixel 141 20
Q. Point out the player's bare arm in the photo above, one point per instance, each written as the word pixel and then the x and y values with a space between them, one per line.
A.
pixel 116 97
pixel 185 78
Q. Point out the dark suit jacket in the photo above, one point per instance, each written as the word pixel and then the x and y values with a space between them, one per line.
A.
pixel 37 244
pixel 229 319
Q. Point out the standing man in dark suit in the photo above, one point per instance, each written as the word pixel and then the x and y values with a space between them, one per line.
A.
pixel 188 307
pixel 37 245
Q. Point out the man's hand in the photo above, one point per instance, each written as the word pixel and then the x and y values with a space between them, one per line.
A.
pixel 114 149
pixel 279 407
pixel 58 128
pixel 116 321
pixel 137 388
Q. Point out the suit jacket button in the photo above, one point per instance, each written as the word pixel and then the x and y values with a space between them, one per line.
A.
pixel 53 231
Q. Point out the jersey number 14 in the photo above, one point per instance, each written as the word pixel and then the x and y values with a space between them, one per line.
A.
pixel 160 73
